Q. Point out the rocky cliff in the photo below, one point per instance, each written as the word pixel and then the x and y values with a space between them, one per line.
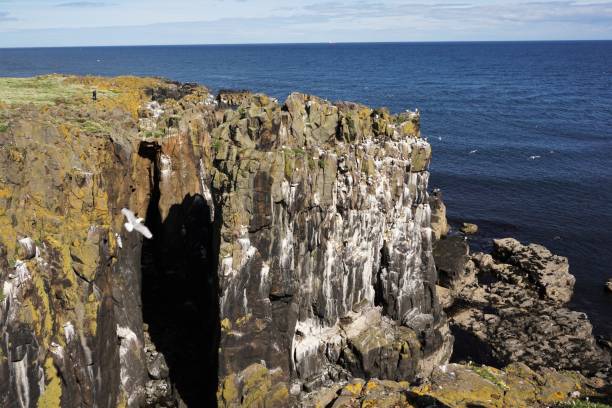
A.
pixel 291 248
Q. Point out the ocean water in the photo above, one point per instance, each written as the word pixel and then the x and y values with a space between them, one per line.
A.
pixel 508 101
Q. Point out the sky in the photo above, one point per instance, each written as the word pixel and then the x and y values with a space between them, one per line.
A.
pixel 42 23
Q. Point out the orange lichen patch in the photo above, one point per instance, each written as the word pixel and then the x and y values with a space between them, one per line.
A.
pixel 126 92
pixel 354 388
pixel 371 385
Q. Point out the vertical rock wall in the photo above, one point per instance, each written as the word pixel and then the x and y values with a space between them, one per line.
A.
pixel 69 311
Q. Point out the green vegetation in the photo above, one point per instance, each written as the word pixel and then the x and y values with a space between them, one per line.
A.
pixel 155 133
pixel 488 375
pixel 297 152
pixel 312 165
pixel 3 127
pixel 127 93
pixel 92 127
pixel 39 90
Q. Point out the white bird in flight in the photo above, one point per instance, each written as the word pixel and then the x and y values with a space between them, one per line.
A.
pixel 473 151
pixel 134 223
pixel 534 157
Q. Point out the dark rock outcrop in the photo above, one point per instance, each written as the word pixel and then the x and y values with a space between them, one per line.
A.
pixel 510 307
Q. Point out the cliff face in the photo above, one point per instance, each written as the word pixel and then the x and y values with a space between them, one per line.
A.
pixel 291 247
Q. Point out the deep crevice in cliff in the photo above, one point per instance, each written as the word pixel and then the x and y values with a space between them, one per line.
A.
pixel 379 290
pixel 180 291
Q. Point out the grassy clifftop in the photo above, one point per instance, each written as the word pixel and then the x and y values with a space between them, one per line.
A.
pixel 125 92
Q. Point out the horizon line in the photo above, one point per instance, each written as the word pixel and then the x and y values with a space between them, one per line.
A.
pixel 307 43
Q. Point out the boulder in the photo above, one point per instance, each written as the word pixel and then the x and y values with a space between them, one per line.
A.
pixel 450 256
pixel 439 223
pixel 549 272
pixel 469 229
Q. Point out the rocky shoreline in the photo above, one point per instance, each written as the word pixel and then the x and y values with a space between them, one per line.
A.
pixel 297 258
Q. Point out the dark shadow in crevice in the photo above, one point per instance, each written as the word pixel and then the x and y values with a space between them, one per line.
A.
pixel 424 401
pixel 180 293
pixel 379 288
pixel 469 348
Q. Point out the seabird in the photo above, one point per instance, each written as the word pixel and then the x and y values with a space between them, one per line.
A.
pixel 534 157
pixel 136 224
pixel 473 151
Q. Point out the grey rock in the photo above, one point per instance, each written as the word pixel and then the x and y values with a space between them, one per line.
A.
pixel 513 312
pixel 451 255
pixel 439 223
pixel 28 248
pixel 549 272
pixel 157 367
pixel 469 229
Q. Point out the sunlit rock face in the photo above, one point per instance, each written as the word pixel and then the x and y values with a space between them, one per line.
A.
pixel 291 248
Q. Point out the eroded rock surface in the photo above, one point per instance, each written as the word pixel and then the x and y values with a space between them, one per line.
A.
pixel 461 386
pixel 510 307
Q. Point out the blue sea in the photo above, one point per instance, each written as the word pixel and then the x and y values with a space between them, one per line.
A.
pixel 509 101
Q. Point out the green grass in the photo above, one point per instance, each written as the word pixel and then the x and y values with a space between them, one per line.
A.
pixel 45 90
pixel 156 133
pixel 39 90
pixel 3 127
pixel 92 127
pixel 487 375
pixel 299 152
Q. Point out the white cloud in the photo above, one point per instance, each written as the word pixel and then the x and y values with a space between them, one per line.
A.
pixel 252 21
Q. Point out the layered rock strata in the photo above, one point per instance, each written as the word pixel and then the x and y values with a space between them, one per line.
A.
pixel 296 237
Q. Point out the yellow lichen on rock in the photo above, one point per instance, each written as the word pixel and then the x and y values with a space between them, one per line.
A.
pixel 51 396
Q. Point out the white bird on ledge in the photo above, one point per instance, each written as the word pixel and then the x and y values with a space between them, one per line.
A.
pixel 135 224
